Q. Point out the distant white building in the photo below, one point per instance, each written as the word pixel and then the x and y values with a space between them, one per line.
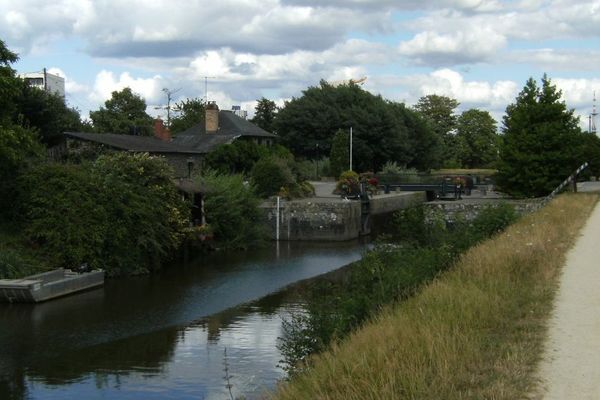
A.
pixel 46 81
pixel 237 110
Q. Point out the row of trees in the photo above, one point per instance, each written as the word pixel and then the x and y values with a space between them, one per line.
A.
pixel 430 135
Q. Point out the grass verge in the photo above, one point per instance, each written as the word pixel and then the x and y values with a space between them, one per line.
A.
pixel 476 332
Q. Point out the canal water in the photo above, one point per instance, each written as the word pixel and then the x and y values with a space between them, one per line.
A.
pixel 184 333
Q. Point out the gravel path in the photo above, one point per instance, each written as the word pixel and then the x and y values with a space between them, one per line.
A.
pixel 571 365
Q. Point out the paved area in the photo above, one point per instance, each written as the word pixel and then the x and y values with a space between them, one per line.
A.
pixel 571 365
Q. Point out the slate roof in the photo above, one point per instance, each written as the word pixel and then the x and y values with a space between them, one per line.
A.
pixel 229 124
pixel 148 144
pixel 194 140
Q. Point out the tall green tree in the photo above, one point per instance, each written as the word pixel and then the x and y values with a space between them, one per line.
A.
pixel 477 139
pixel 339 159
pixel 47 113
pixel 123 113
pixel 264 115
pixel 9 83
pixel 541 143
pixel 440 112
pixel 378 134
pixel 188 113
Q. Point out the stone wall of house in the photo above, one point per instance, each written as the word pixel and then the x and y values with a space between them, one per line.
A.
pixel 179 162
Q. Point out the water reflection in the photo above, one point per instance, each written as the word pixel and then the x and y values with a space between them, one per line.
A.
pixel 181 363
pixel 162 336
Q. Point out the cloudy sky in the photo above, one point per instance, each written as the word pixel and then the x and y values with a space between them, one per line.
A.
pixel 480 52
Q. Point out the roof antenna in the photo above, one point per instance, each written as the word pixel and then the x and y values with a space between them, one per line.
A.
pixel 206 78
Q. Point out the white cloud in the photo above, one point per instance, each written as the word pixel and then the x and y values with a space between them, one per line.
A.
pixel 473 44
pixel 106 83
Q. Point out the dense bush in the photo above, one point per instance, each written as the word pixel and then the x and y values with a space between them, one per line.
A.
pixel 18 146
pixel 271 174
pixel 390 272
pixel 13 265
pixel 348 184
pixel 231 207
pixel 121 213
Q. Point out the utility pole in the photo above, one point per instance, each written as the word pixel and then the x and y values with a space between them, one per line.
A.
pixel 592 117
pixel 169 94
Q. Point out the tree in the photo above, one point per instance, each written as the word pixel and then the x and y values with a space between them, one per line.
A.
pixel 121 213
pixel 47 113
pixel 426 151
pixel 378 134
pixel 232 211
pixel 541 144
pixel 439 111
pixel 189 112
pixel 477 139
pixel 123 113
pixel 9 83
pixel 265 112
pixel 339 159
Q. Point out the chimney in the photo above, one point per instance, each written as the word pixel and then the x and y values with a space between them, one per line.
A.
pixel 212 117
pixel 161 131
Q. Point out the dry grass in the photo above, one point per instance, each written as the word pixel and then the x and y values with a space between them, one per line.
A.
pixel 475 333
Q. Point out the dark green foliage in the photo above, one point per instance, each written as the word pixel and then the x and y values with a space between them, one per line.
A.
pixel 493 219
pixel 426 147
pixel 339 159
pixel 265 112
pixel 270 175
pixel 19 147
pixel 231 207
pixel 9 83
pixel 439 111
pixel 121 213
pixel 541 143
pixel 590 152
pixel 12 265
pixel 188 112
pixel 379 134
pixel 388 273
pixel 237 157
pixel 477 140
pixel 123 113
pixel 47 113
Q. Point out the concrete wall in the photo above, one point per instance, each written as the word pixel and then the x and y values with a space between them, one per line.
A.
pixel 314 220
pixel 330 219
pixel 385 204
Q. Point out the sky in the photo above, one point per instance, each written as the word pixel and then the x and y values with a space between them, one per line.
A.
pixel 480 52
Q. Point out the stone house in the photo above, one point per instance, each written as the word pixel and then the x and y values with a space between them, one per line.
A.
pixel 187 149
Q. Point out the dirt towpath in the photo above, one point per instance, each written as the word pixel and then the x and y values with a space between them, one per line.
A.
pixel 571 365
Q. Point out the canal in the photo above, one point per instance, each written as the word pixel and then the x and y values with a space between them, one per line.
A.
pixel 183 333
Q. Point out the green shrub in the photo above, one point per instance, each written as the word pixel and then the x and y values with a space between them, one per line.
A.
pixel 348 184
pixel 494 219
pixel 121 213
pixel 231 208
pixel 270 174
pixel 12 265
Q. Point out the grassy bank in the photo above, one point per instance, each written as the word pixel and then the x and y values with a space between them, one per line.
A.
pixel 476 332
pixel 16 259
